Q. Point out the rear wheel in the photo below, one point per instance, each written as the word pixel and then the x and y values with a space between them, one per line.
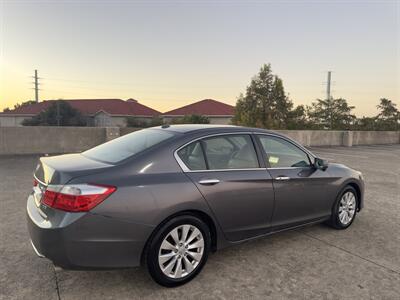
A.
pixel 178 251
pixel 345 209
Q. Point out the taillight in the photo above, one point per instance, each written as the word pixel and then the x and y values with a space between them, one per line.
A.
pixel 35 182
pixel 76 197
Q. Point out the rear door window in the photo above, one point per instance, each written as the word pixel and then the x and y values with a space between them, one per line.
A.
pixel 230 152
pixel 220 153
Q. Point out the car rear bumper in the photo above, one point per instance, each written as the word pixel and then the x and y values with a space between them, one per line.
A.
pixel 85 240
pixel 36 250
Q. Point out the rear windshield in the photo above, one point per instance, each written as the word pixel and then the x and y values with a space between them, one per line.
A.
pixel 123 147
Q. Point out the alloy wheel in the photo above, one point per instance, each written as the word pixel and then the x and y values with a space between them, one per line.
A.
pixel 347 208
pixel 181 251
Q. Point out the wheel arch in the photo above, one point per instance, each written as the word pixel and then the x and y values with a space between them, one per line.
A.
pixel 191 212
pixel 356 187
pixel 358 191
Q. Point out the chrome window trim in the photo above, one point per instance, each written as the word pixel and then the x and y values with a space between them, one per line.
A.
pixel 225 170
pixel 294 143
pixel 287 168
pixel 187 170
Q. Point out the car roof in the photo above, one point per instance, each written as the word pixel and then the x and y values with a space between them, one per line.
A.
pixel 205 129
pixel 209 128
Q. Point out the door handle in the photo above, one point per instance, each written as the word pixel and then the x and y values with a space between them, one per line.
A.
pixel 209 181
pixel 282 178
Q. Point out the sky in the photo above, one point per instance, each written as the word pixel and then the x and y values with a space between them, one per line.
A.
pixel 167 54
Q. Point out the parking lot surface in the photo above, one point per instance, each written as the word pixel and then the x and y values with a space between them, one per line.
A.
pixel 314 262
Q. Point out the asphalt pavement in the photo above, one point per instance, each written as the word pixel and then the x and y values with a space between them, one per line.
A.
pixel 314 262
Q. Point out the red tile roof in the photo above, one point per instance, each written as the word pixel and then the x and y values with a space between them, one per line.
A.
pixel 91 107
pixel 206 107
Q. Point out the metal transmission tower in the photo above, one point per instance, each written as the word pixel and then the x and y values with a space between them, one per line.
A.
pixel 36 82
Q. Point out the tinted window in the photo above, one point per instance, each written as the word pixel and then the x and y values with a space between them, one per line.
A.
pixel 193 157
pixel 230 152
pixel 281 153
pixel 128 145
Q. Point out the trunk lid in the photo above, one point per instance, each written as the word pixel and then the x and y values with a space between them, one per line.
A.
pixel 62 168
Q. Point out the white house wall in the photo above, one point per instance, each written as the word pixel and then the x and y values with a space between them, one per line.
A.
pixel 12 121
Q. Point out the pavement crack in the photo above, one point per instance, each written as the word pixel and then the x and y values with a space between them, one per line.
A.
pixel 351 253
pixel 56 279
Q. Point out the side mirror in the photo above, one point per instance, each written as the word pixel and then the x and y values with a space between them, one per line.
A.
pixel 320 163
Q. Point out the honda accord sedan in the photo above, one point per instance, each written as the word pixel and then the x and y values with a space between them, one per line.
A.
pixel 165 197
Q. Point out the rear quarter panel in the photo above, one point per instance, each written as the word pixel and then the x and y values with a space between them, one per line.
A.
pixel 150 189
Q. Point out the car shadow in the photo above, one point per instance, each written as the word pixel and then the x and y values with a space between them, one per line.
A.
pixel 219 269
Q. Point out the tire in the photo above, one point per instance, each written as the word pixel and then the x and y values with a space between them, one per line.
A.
pixel 345 211
pixel 173 260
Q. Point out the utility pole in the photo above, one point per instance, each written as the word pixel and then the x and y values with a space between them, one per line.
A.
pixel 328 86
pixel 36 86
pixel 328 97
pixel 58 113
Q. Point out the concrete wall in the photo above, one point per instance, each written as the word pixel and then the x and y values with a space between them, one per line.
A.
pixel 342 138
pixel 127 130
pixel 375 137
pixel 29 140
pixel 315 137
pixel 41 140
pixel 101 119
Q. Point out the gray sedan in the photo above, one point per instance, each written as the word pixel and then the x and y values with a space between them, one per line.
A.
pixel 164 197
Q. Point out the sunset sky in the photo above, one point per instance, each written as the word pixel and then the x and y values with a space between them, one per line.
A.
pixel 170 53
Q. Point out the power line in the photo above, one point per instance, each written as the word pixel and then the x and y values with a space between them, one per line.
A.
pixel 73 86
pixel 129 85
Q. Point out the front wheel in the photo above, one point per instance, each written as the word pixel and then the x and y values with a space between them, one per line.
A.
pixel 178 251
pixel 345 209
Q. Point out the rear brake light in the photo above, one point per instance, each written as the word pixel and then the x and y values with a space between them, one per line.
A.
pixel 76 197
pixel 35 182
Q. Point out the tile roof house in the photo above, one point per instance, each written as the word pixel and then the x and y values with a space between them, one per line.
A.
pixel 114 112
pixel 99 112
pixel 217 112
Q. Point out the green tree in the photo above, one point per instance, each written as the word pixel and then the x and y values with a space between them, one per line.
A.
pixel 246 111
pixel 331 114
pixel 156 121
pixel 282 105
pixel 298 119
pixel 59 112
pixel 265 103
pixel 26 103
pixel 191 119
pixel 366 123
pixel 18 105
pixel 134 122
pixel 389 116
